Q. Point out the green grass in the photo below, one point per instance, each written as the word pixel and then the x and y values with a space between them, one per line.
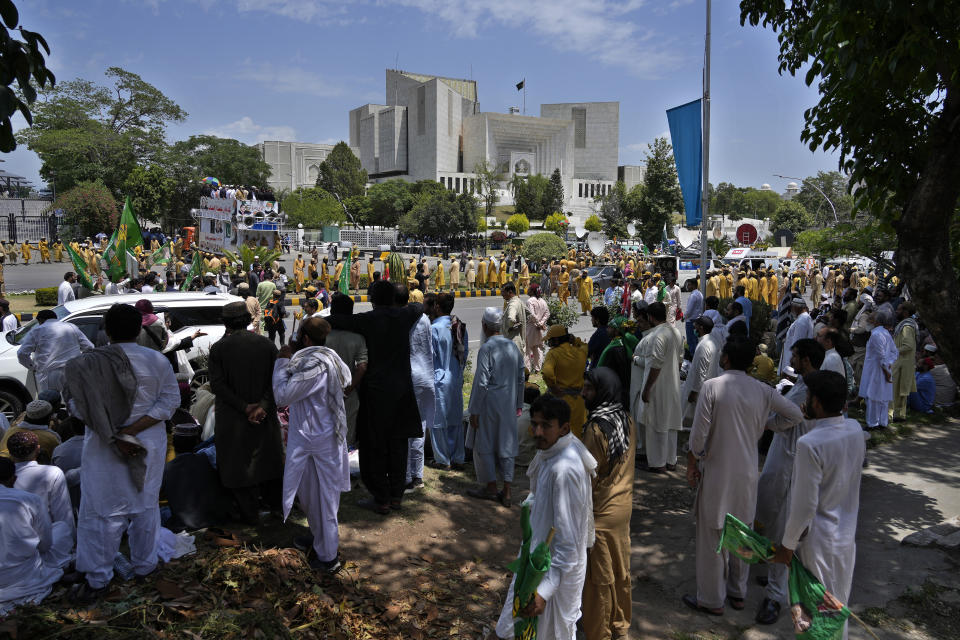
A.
pixel 23 303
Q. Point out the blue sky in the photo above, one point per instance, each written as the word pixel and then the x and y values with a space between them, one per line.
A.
pixel 292 69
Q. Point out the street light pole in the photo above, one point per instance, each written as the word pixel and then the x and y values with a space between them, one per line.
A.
pixel 705 201
pixel 819 190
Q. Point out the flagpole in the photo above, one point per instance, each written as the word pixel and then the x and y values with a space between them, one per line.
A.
pixel 524 96
pixel 704 252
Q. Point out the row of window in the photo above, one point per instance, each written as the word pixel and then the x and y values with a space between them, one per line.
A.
pixel 466 185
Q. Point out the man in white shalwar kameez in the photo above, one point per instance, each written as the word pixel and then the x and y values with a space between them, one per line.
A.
pixel 825 494
pixel 421 373
pixel 658 407
pixel 116 497
pixel 317 468
pixel 704 366
pixel 48 483
pixel 30 552
pixel 801 327
pixel 732 412
pixel 876 381
pixel 832 361
pixel 48 347
pixel 496 401
pixel 562 499
pixel 773 488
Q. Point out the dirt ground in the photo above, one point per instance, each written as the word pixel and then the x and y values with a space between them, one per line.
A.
pixel 437 568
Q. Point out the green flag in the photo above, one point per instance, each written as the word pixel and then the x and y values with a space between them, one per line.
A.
pixel 529 567
pixel 160 256
pixel 125 238
pixel 344 284
pixel 82 276
pixel 195 269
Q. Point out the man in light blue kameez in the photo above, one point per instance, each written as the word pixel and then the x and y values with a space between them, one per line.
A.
pixel 450 354
pixel 495 402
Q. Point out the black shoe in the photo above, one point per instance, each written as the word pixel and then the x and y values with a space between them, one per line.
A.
pixel 303 543
pixel 458 466
pixel 414 485
pixel 433 464
pixel 332 566
pixel 762 580
pixel 84 595
pixel 769 612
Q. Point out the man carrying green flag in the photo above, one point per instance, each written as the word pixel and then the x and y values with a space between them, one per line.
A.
pixel 195 268
pixel 78 263
pixel 125 238
pixel 343 285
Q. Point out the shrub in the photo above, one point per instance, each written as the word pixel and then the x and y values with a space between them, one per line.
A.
pixel 543 246
pixel 46 297
pixel 561 314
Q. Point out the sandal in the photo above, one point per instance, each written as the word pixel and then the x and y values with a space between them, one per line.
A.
pixel 504 500
pixel 222 538
pixel 691 601
pixel 737 603
pixel 483 494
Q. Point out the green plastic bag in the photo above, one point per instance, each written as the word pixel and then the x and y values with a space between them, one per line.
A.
pixel 816 613
pixel 529 568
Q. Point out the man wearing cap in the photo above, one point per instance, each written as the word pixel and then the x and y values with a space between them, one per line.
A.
pixel 704 366
pixel 44 481
pixel 904 379
pixel 562 371
pixel 247 433
pixel 876 383
pixel 312 382
pixel 252 304
pixel 495 403
pixel 48 347
pixel 124 448
pixel 30 562
pixel 36 420
pixel 65 290
pixel 800 328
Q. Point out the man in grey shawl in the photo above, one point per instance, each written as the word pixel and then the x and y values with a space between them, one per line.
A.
pixel 123 393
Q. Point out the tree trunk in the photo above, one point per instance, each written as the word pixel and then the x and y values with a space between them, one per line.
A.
pixel 923 235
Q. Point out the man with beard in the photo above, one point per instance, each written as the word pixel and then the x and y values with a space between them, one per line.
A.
pixel 388 407
pixel 610 437
pixel 247 432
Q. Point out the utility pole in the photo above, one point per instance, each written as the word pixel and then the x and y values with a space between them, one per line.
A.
pixel 704 252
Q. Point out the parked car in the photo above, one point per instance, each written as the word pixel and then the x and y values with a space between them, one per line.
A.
pixel 188 312
pixel 602 276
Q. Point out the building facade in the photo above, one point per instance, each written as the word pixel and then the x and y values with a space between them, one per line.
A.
pixel 293 164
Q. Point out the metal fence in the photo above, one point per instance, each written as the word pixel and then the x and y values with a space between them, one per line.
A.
pixel 369 238
pixel 27 220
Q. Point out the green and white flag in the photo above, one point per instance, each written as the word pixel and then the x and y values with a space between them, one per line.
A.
pixel 125 238
pixel 160 256
pixel 81 267
pixel 195 268
pixel 344 284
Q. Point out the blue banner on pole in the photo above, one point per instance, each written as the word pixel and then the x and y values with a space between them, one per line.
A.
pixel 686 136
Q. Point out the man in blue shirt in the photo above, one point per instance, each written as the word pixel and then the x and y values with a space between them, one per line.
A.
pixel 613 294
pixel 600 316
pixel 922 399
pixel 745 303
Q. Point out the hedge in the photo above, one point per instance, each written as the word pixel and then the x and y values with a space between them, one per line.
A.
pixel 46 297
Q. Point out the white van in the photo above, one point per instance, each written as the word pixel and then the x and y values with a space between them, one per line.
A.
pixel 686 268
pixel 188 312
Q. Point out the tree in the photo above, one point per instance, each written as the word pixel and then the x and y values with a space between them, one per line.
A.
pixel 556 222
pixel 340 174
pixel 149 190
pixel 890 104
pixel 84 131
pixel 21 61
pixel 870 240
pixel 614 214
pixel 541 247
pixel 518 223
pixel 88 207
pixel 593 223
pixel 553 200
pixel 660 195
pixel 313 208
pixel 836 187
pixel 489 179
pixel 441 215
pixel 388 201
pixel 791 215
pixel 757 203
pixel 719 246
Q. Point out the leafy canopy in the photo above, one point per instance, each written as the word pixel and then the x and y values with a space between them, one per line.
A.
pixel 312 207
pixel 88 207
pixel 518 223
pixel 543 246
pixel 593 223
pixel 340 174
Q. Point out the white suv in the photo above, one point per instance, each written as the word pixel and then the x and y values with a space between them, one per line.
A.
pixel 188 312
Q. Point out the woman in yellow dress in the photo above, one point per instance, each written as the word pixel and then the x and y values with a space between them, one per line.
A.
pixel 585 293
pixel 564 281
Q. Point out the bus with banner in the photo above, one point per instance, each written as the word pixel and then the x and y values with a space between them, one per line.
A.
pixel 227 223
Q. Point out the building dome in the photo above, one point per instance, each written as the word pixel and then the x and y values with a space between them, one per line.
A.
pixel 793 186
pixel 764 187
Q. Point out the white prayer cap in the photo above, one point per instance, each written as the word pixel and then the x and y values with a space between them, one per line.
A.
pixel 931 348
pixel 492 316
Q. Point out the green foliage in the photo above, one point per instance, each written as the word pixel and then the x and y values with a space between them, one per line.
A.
pixel 866 238
pixel 544 246
pixel 341 174
pixel 441 214
pixel 616 211
pixel 518 223
pixel 791 215
pixel 21 61
pixel 561 314
pixel 532 196
pixel 398 272
pixel 759 318
pixel 719 246
pixel 836 188
pixel 83 131
pixel 313 208
pixel 660 195
pixel 388 201
pixel 231 161
pixel 489 179
pixel 46 297
pixel 149 190
pixel 357 208
pixel 88 207
pixel 734 202
pixel 553 200
pixel 593 223
pixel 556 222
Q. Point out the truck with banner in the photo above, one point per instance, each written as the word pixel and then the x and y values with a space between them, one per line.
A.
pixel 227 223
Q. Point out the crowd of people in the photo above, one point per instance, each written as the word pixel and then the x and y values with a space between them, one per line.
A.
pixel 280 417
